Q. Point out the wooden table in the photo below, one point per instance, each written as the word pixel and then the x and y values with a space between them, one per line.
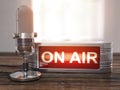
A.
pixel 58 81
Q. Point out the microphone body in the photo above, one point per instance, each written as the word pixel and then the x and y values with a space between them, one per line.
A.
pixel 25 44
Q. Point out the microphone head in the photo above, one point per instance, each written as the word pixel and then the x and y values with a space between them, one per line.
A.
pixel 24 35
pixel 25 19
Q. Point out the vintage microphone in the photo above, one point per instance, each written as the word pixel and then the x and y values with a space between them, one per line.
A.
pixel 25 43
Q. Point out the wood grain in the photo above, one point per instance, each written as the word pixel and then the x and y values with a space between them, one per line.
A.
pixel 58 81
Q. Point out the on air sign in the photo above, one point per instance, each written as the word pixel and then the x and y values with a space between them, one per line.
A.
pixel 70 57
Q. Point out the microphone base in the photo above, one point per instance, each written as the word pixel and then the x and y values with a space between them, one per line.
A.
pixel 20 76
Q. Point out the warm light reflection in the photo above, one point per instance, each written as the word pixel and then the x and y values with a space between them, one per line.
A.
pixel 56 20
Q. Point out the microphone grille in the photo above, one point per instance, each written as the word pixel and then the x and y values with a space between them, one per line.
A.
pixel 25 20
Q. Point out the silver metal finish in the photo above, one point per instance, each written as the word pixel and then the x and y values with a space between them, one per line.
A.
pixel 20 76
pixel 33 59
pixel 24 46
pixel 24 35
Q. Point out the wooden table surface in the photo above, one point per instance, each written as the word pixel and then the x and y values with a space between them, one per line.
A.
pixel 58 81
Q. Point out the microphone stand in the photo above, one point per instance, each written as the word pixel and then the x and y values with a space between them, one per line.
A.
pixel 25 45
pixel 25 65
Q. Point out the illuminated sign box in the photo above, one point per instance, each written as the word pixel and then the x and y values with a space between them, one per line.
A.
pixel 86 57
pixel 74 57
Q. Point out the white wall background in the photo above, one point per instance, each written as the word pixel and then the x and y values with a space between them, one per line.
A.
pixel 8 23
pixel 112 23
